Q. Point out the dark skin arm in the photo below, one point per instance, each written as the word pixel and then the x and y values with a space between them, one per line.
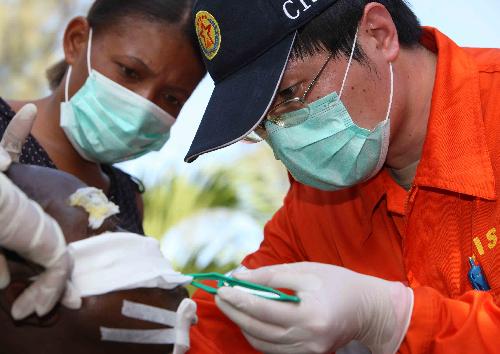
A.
pixel 52 189
pixel 68 331
pixel 140 205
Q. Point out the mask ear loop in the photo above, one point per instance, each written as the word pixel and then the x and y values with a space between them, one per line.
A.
pixel 66 85
pixel 391 96
pixel 349 63
pixel 89 51
pixel 70 69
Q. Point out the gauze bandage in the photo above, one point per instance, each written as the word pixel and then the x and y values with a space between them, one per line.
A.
pixel 96 204
pixel 121 261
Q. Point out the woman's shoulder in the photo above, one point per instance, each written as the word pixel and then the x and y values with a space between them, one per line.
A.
pixel 33 153
pixel 6 110
pixel 124 191
pixel 6 115
pixel 14 105
pixel 124 180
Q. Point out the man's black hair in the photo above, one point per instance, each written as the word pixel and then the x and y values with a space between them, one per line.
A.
pixel 334 29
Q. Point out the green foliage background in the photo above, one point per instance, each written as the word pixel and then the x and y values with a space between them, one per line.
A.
pixel 245 186
pixel 30 32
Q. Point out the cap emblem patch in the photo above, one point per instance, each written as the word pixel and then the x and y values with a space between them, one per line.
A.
pixel 208 32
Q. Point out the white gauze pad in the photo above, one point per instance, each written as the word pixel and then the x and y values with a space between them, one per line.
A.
pixel 121 261
pixel 95 203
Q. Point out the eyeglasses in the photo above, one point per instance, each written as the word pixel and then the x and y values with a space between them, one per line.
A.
pixel 276 114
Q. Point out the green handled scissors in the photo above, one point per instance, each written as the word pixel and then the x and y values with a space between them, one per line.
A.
pixel 252 288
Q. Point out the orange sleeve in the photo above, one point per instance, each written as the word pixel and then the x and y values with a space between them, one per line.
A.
pixel 440 325
pixel 281 243
pixel 215 333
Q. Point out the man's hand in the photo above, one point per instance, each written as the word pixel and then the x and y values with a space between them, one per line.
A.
pixel 337 306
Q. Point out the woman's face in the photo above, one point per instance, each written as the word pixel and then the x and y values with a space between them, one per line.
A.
pixel 154 59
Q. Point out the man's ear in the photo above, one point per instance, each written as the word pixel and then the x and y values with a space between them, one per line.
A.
pixel 379 28
pixel 75 39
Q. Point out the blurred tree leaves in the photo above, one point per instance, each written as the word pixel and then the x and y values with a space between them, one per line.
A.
pixel 255 185
pixel 30 41
pixel 177 198
pixel 261 182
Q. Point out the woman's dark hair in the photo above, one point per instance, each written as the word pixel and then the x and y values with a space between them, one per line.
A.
pixel 334 29
pixel 106 13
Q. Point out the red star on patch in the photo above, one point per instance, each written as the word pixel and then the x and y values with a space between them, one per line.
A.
pixel 204 33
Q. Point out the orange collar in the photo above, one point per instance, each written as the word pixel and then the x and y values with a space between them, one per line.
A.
pixel 455 155
pixel 383 185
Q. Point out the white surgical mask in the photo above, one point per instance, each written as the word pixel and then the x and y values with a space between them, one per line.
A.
pixel 325 148
pixel 107 123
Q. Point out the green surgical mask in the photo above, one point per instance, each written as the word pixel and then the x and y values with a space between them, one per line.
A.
pixel 107 123
pixel 322 147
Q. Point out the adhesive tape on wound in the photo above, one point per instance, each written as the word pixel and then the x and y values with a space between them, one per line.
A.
pixel 149 313
pixel 138 336
pixel 181 321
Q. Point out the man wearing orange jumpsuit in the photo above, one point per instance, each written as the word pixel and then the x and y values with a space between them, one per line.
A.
pixel 398 232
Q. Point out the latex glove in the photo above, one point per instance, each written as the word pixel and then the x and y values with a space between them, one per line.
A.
pixel 10 149
pixel 186 317
pixel 337 306
pixel 27 230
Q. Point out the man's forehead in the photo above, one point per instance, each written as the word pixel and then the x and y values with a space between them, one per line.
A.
pixel 305 65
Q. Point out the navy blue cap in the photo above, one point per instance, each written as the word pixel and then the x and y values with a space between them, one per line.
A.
pixel 246 45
